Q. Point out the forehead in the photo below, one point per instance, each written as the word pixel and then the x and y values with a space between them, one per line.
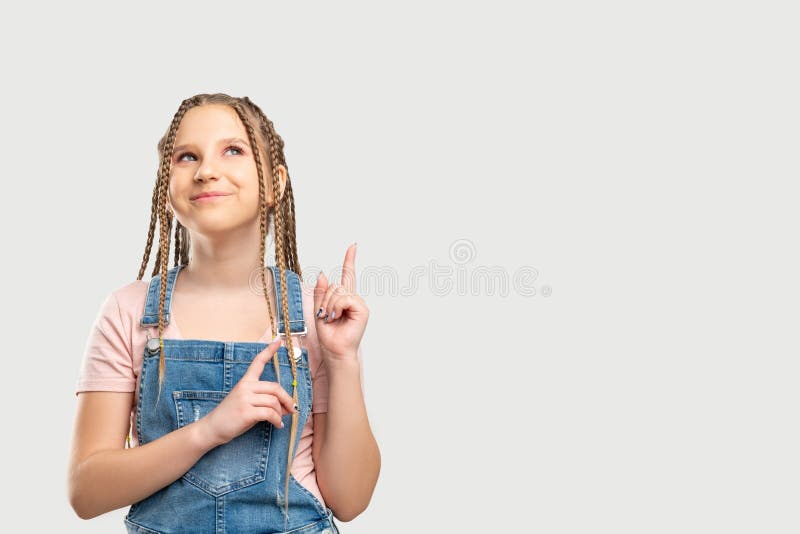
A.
pixel 209 122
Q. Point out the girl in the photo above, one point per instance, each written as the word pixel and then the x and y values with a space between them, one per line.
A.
pixel 217 439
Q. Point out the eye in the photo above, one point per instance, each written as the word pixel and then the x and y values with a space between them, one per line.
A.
pixel 235 147
pixel 180 156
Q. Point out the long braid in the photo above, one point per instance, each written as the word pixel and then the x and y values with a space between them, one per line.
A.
pixel 170 220
pixel 291 240
pixel 157 262
pixel 165 222
pixel 286 257
pixel 287 207
pixel 177 242
pixel 281 255
pixel 150 232
pixel 182 238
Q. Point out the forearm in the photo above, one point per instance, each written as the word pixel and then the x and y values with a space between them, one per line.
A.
pixel 349 460
pixel 111 479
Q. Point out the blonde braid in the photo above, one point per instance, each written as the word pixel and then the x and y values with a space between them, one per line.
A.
pixel 280 255
pixel 150 232
pixel 287 206
pixel 177 242
pixel 165 222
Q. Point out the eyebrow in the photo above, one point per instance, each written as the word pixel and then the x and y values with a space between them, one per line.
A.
pixel 220 142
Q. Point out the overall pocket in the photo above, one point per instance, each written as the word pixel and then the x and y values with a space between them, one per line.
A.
pixel 231 466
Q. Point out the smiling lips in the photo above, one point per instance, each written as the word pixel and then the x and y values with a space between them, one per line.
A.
pixel 209 194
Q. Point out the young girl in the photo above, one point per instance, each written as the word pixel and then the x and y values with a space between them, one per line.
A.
pixel 178 367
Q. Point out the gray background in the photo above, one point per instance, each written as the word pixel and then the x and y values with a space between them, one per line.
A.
pixel 641 157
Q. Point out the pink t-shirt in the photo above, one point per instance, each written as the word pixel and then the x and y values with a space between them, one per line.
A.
pixel 112 361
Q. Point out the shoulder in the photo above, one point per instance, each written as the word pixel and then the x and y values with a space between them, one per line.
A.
pixel 121 306
pixel 132 292
pixel 130 298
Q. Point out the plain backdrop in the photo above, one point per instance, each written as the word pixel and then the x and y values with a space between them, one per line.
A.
pixel 576 226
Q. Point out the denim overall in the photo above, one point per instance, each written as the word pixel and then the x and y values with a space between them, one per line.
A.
pixel 236 487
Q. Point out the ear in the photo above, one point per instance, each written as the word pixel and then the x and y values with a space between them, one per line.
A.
pixel 283 176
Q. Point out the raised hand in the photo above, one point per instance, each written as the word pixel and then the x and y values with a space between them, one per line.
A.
pixel 341 314
pixel 251 400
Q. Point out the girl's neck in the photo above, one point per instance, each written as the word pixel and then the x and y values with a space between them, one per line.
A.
pixel 226 263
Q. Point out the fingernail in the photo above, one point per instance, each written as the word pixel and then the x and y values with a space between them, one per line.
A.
pixel 320 311
pixel 295 407
pixel 332 314
pixel 325 318
pixel 281 424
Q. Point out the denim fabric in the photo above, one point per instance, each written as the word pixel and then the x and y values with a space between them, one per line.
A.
pixel 238 486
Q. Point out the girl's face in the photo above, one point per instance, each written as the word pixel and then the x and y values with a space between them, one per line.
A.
pixel 212 154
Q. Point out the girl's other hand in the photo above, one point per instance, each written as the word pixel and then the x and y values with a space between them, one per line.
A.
pixel 251 400
pixel 341 314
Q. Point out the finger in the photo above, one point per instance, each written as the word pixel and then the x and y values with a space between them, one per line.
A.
pixel 270 401
pixel 256 367
pixel 319 292
pixel 268 414
pixel 322 312
pixel 349 269
pixel 334 308
pixel 276 390
pixel 329 314
pixel 332 289
pixel 339 304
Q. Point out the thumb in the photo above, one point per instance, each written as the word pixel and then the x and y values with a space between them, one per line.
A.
pixel 257 365
pixel 319 291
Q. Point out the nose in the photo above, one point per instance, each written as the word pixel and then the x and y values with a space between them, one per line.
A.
pixel 205 173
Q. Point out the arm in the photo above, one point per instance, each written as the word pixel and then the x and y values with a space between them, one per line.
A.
pixel 103 475
pixel 346 455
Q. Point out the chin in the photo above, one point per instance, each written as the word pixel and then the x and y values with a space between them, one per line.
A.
pixel 214 226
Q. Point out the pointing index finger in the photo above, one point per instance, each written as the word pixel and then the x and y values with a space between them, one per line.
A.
pixel 349 269
pixel 257 365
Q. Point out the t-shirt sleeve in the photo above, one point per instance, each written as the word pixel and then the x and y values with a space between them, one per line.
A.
pixel 107 363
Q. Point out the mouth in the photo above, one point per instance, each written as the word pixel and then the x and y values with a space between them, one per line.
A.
pixel 211 194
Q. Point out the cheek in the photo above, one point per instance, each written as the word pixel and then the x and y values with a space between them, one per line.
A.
pixel 180 183
pixel 247 181
pixel 247 176
pixel 171 192
pixel 249 198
